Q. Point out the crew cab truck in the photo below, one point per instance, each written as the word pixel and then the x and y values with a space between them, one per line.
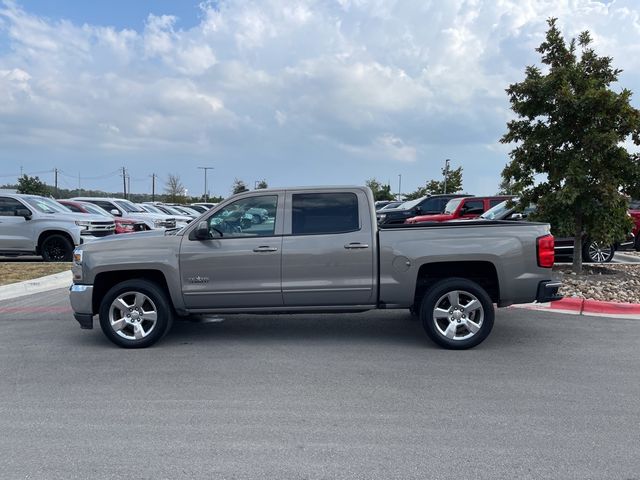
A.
pixel 317 250
pixel 31 224
pixel 461 208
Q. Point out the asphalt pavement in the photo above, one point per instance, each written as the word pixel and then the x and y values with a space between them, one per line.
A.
pixel 318 396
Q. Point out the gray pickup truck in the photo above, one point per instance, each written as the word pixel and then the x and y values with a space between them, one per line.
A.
pixel 316 250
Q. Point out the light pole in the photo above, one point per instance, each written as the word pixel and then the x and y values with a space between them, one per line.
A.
pixel 206 196
pixel 446 173
pixel 399 185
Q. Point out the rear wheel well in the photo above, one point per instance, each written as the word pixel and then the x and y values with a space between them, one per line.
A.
pixel 46 234
pixel 483 273
pixel 106 280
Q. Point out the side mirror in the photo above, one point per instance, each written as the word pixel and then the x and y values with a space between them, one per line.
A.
pixel 23 212
pixel 116 212
pixel 516 216
pixel 202 231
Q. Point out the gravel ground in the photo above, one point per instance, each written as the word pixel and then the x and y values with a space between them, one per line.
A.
pixel 612 283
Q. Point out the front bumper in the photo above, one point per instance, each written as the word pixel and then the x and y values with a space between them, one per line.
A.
pixel 548 291
pixel 81 298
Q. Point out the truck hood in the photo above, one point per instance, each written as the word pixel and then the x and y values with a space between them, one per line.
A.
pixel 136 239
pixel 85 217
pixel 443 217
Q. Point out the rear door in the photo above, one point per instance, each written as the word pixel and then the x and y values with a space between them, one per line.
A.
pixel 328 249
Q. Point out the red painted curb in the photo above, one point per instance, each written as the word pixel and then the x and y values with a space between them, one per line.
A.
pixel 580 306
pixel 596 306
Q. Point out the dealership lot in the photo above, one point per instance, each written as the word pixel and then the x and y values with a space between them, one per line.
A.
pixel 318 396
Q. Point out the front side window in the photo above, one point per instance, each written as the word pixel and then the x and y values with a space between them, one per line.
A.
pixel 247 217
pixel 9 207
pixel 322 213
pixel 129 207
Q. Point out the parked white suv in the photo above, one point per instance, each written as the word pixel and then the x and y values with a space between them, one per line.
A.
pixel 34 225
pixel 124 208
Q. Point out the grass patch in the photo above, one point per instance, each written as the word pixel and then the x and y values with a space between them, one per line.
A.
pixel 12 272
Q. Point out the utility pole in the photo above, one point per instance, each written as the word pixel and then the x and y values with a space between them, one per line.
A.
pixel 129 186
pixel 153 187
pixel 55 171
pixel 206 193
pixel 446 173
pixel 79 188
pixel 399 185
pixel 124 182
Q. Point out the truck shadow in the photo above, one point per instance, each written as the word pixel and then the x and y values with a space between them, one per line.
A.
pixel 398 328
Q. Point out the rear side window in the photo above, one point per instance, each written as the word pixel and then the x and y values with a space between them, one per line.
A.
pixel 474 205
pixel 320 213
pixel 108 206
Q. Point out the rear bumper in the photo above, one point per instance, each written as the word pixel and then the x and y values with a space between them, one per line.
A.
pixel 548 291
pixel 81 298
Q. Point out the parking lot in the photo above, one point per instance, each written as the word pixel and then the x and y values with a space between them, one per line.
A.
pixel 318 396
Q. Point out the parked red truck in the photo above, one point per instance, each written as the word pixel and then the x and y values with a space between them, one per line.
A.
pixel 462 208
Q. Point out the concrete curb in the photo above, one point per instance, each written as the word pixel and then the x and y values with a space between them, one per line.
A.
pixel 37 285
pixel 580 306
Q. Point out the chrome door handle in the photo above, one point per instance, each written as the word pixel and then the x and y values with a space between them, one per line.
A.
pixel 265 248
pixel 355 245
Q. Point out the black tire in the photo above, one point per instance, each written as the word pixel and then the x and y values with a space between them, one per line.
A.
pixel 56 248
pixel 479 318
pixel 637 245
pixel 593 252
pixel 156 298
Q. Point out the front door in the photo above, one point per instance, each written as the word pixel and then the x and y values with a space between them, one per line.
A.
pixel 16 233
pixel 239 266
pixel 328 252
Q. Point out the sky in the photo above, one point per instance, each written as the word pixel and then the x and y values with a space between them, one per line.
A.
pixel 297 92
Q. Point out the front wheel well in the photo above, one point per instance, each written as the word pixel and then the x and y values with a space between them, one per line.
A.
pixel 104 281
pixel 483 273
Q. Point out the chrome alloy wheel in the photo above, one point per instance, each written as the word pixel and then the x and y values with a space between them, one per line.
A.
pixel 599 253
pixel 132 315
pixel 458 315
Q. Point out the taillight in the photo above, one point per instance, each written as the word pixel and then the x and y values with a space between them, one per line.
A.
pixel 546 252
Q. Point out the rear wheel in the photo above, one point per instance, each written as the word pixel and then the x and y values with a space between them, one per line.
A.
pixel 135 314
pixel 56 248
pixel 596 252
pixel 457 313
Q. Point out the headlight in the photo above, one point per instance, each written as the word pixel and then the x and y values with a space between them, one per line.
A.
pixel 77 256
pixel 381 217
pixel 126 226
pixel 158 223
pixel 83 225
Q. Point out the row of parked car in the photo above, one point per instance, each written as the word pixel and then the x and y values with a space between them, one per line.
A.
pixel 464 207
pixel 35 225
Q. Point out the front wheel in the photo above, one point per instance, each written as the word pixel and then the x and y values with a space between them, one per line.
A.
pixel 457 313
pixel 135 314
pixel 56 248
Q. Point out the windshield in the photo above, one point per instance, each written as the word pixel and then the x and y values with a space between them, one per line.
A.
pixel 91 208
pixel 128 207
pixel 151 209
pixel 499 211
pixel 45 205
pixel 411 203
pixel 451 205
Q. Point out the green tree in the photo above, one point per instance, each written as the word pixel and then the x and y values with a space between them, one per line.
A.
pixel 262 184
pixel 436 187
pixel 239 186
pixel 32 186
pixel 569 158
pixel 380 191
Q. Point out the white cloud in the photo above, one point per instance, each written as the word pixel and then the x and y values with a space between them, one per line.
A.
pixel 403 83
